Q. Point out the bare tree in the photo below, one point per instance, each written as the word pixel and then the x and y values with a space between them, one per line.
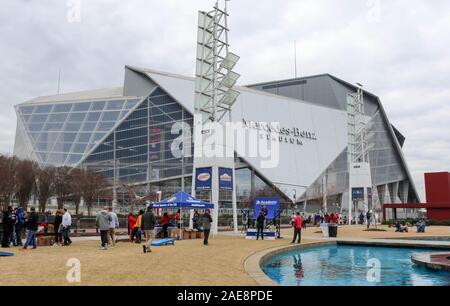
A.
pixel 62 185
pixel 78 175
pixel 92 186
pixel 25 181
pixel 44 185
pixel 8 167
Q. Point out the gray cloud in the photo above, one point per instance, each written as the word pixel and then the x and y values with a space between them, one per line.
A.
pixel 398 49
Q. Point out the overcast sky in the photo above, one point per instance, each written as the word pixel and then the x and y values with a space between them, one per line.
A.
pixel 399 49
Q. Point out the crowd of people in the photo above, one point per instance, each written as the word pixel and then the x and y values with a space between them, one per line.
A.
pixel 144 223
pixel 18 225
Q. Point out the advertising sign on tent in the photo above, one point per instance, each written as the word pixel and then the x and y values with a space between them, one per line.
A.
pixel 225 179
pixel 203 178
pixel 269 206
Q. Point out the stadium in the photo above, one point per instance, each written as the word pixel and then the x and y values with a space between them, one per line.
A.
pixel 125 134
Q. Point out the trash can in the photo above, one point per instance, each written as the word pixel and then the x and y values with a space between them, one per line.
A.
pixel 332 230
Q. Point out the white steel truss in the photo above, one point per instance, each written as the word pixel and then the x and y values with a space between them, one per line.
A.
pixel 215 78
pixel 357 128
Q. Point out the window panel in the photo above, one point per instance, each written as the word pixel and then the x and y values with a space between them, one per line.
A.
pixel 67 137
pixel 77 117
pixel 93 117
pixel 84 137
pixel 115 105
pixel 27 109
pixel 72 127
pixel 105 126
pixel 62 108
pixel 74 158
pixel 81 107
pixel 43 109
pixel 38 118
pixel 61 117
pixel 79 148
pixel 110 116
pixel 98 106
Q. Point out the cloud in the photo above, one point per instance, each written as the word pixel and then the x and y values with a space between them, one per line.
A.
pixel 398 49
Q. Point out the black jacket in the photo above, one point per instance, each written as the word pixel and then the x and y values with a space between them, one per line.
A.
pixel 32 222
pixel 57 222
pixel 148 221
pixel 7 223
pixel 260 221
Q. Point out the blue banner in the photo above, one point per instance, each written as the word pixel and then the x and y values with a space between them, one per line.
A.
pixel 358 194
pixel 269 207
pixel 203 178
pixel 225 179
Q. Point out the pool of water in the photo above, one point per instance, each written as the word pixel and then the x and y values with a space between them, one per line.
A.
pixel 345 265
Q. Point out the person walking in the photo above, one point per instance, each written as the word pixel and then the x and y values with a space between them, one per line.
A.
pixel 32 226
pixel 137 232
pixel 298 222
pixel 19 225
pixel 260 225
pixel 369 218
pixel 131 223
pixel 102 222
pixel 148 226
pixel 195 219
pixel 66 224
pixel 8 227
pixel 58 228
pixel 113 225
pixel 205 221
pixel 165 220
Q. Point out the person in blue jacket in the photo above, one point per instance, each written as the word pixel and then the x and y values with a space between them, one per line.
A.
pixel 20 221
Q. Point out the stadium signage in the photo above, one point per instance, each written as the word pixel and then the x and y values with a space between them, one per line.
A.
pixel 274 132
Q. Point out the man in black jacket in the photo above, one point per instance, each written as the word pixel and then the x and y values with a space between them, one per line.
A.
pixel 260 225
pixel 148 226
pixel 32 226
pixel 7 226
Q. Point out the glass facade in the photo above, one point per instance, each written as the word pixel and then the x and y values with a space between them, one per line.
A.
pixel 386 169
pixel 139 148
pixel 62 133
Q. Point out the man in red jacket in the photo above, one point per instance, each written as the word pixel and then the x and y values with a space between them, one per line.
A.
pixel 298 222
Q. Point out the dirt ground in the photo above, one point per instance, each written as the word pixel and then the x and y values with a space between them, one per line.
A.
pixel 186 263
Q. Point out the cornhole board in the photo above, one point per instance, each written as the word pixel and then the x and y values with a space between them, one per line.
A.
pixel 5 254
pixel 269 235
pixel 163 242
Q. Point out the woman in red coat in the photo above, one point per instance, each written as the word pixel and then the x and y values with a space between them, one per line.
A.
pixel 131 223
pixel 165 220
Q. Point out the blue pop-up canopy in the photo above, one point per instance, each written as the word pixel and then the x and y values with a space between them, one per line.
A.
pixel 183 200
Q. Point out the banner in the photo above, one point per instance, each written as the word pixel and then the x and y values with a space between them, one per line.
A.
pixel 358 194
pixel 269 206
pixel 225 179
pixel 203 178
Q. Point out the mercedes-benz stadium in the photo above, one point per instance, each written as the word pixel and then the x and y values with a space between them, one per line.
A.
pixel 125 134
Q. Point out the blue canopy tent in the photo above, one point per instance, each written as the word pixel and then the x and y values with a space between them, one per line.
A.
pixel 182 200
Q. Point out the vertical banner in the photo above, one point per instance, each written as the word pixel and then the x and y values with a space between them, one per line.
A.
pixel 225 179
pixel 269 207
pixel 203 178
pixel 358 194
